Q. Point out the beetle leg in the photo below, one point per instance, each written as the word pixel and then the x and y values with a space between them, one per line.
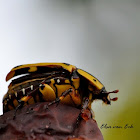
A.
pixel 63 95
pixel 21 103
pixel 85 113
pixel 23 100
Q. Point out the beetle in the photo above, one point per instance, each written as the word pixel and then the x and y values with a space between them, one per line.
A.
pixel 53 82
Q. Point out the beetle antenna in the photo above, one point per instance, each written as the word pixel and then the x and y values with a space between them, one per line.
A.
pixel 114 99
pixel 114 91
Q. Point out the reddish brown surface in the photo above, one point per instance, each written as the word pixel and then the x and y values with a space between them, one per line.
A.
pixel 34 122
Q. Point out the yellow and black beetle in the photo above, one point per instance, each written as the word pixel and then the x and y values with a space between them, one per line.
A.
pixel 53 82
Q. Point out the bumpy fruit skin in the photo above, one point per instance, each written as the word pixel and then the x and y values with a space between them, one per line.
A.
pixel 37 122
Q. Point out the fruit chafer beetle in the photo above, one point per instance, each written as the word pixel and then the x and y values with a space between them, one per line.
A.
pixel 53 82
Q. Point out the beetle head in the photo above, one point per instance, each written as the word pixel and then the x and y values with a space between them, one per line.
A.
pixel 104 95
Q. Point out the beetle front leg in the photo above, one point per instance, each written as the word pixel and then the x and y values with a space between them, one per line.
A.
pixel 85 113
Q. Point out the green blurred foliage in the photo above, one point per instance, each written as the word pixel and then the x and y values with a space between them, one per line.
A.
pixel 122 113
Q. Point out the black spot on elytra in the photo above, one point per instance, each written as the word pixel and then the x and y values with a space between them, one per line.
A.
pixel 94 80
pixel 66 64
pixel 17 66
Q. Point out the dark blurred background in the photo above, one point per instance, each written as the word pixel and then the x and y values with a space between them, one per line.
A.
pixel 99 36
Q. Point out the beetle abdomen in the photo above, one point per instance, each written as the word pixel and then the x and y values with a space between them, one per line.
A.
pixel 52 87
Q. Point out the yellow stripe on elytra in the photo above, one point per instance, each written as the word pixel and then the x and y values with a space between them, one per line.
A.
pixel 67 67
pixel 33 68
pixel 94 81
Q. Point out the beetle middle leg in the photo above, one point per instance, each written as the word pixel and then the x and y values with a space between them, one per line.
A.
pixel 63 95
